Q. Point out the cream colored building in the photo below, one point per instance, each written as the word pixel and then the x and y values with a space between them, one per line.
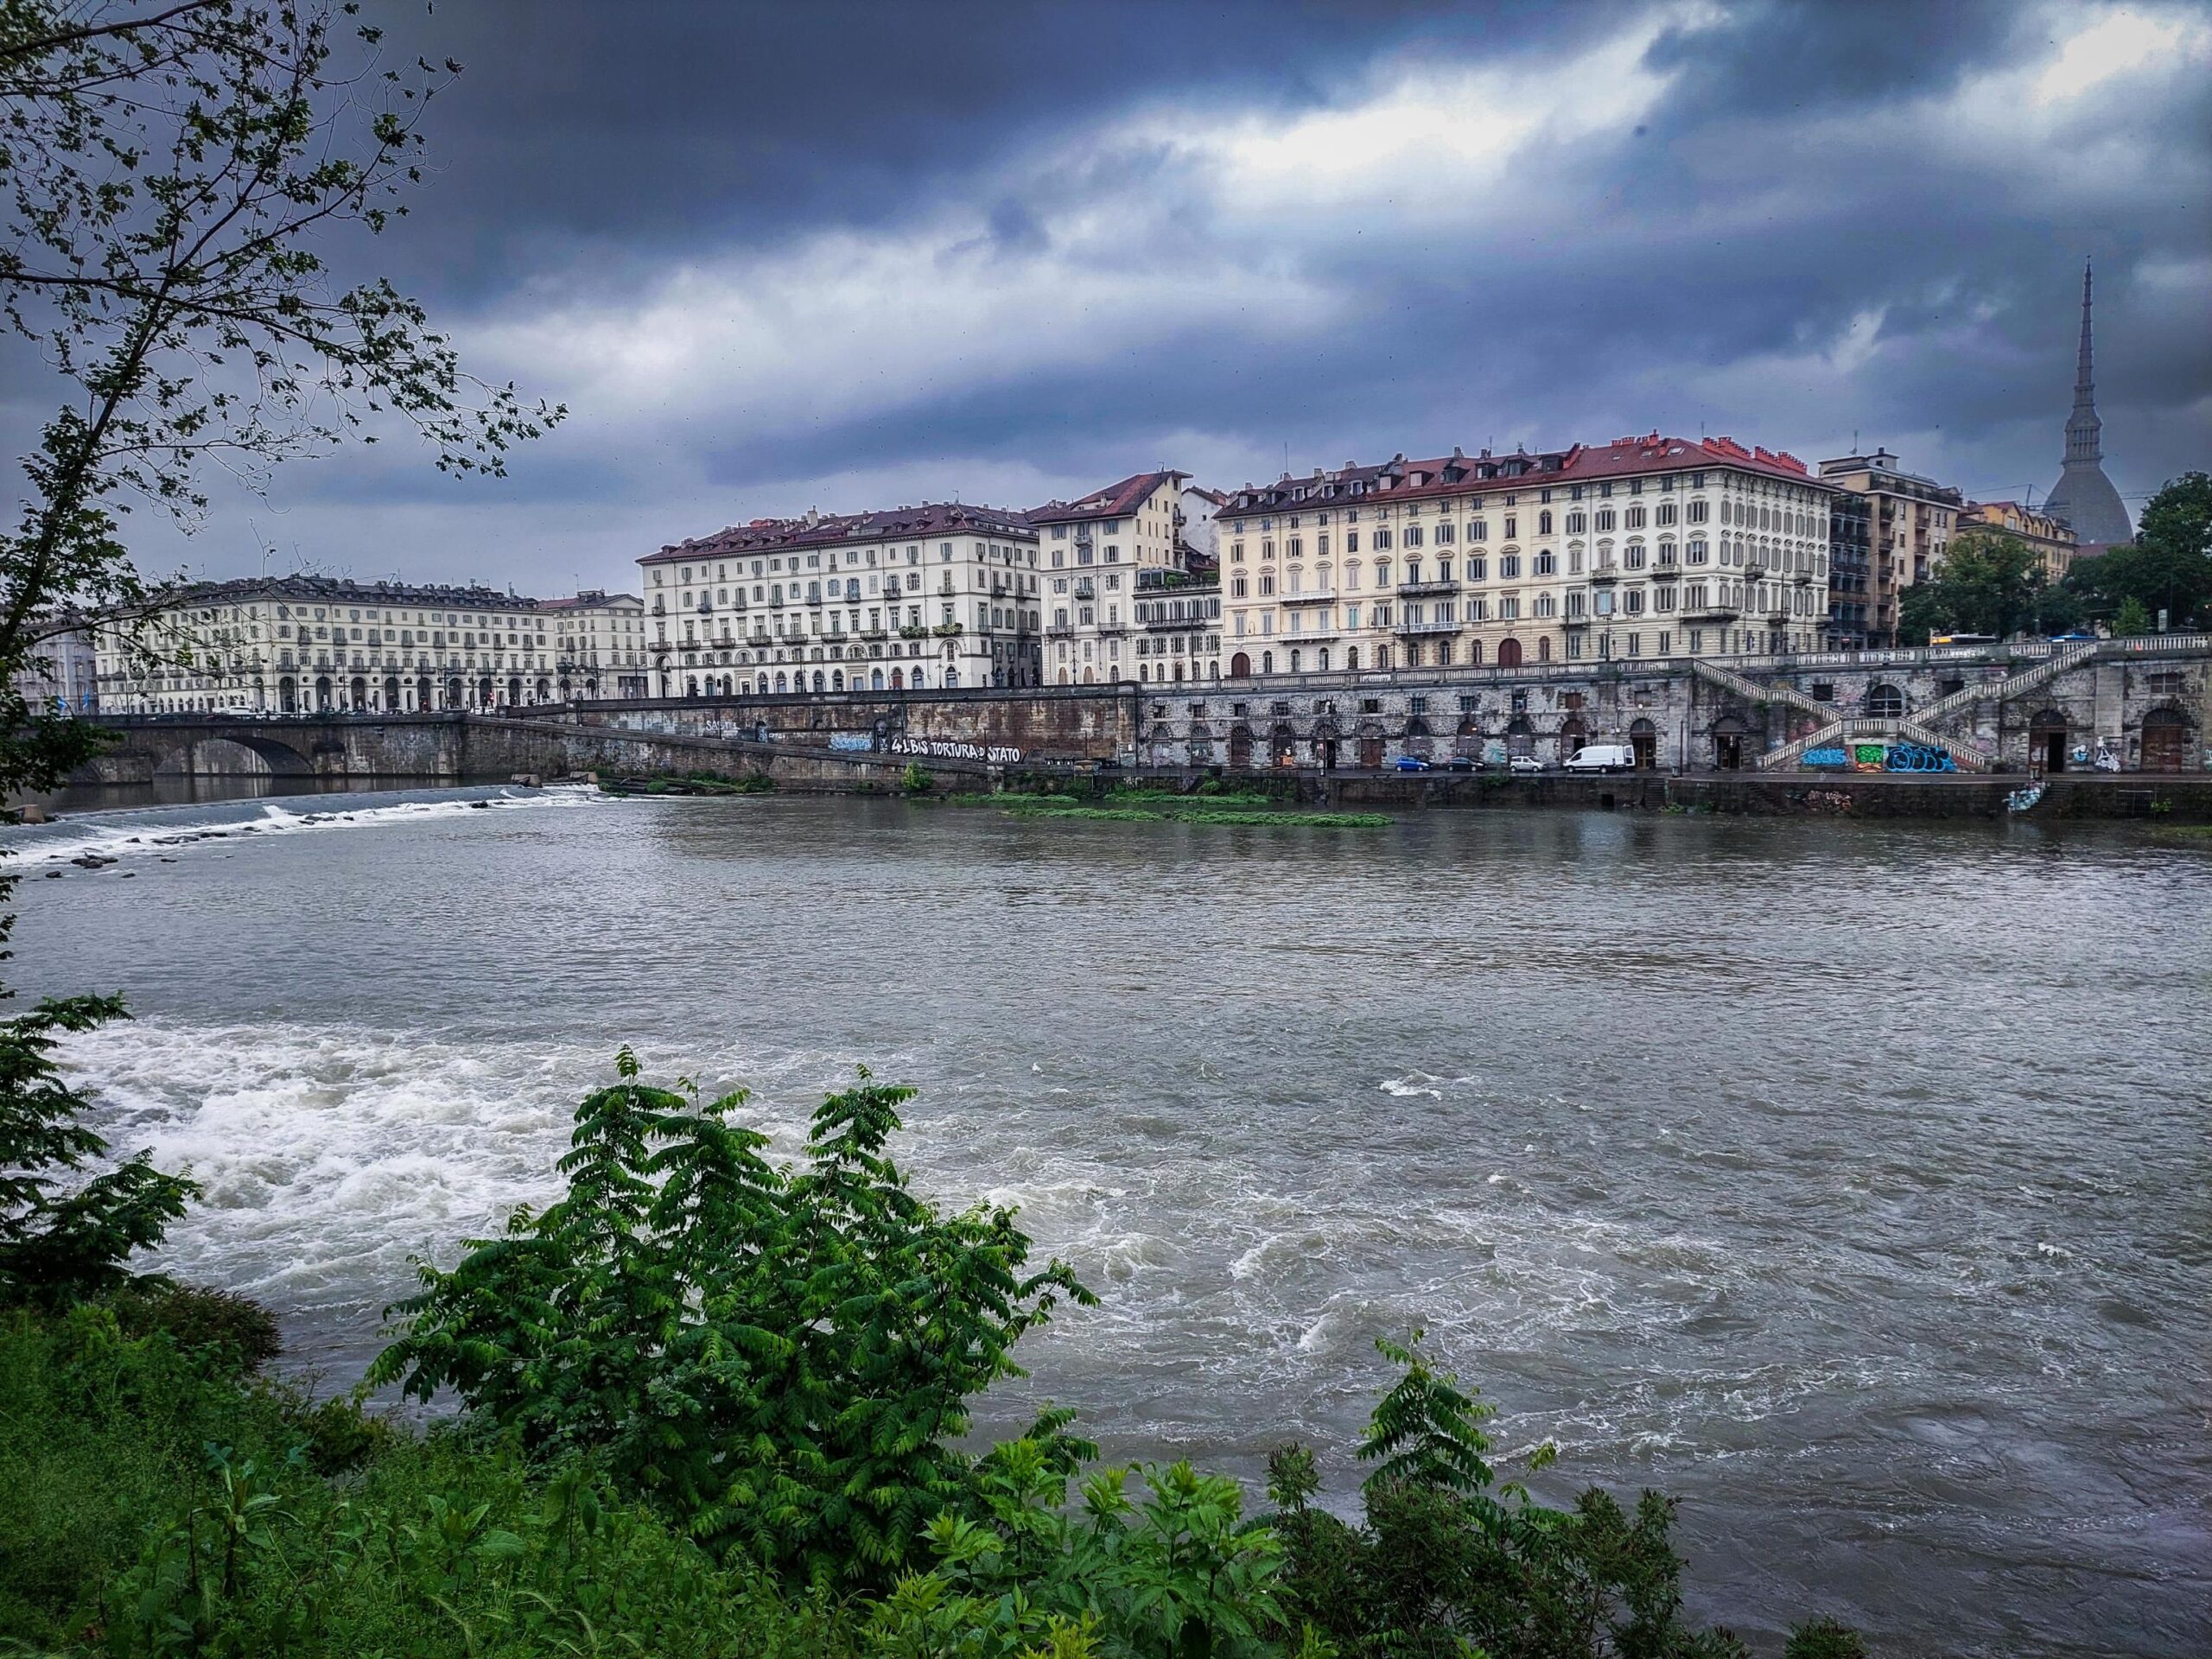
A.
pixel 1912 521
pixel 307 644
pixel 937 596
pixel 2053 539
pixel 1645 547
pixel 599 646
pixel 1127 597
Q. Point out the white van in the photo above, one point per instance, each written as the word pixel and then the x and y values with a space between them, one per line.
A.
pixel 1602 757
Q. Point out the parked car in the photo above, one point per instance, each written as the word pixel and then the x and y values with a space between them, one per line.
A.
pixel 1524 763
pixel 1411 763
pixel 1460 763
pixel 1602 757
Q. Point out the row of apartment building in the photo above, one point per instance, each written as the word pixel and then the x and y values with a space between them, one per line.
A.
pixel 1646 547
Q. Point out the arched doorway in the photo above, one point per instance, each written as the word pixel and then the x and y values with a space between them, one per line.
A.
pixel 2047 740
pixel 1325 747
pixel 1544 648
pixel 424 697
pixel 483 692
pixel 1572 734
pixel 1728 743
pixel 1643 738
pixel 391 694
pixel 1509 653
pixel 322 694
pixel 514 691
pixel 453 693
pixel 1240 749
pixel 1283 746
pixel 1885 702
pixel 1521 736
pixel 1370 749
pixel 545 689
pixel 2165 740
pixel 1240 667
pixel 359 690
pixel 288 694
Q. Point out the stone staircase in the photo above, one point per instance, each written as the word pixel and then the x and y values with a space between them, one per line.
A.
pixel 2030 678
pixel 1757 690
pixel 1919 727
pixel 1967 757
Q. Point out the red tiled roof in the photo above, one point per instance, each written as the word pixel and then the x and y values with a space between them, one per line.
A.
pixel 1114 501
pixel 1459 474
pixel 765 535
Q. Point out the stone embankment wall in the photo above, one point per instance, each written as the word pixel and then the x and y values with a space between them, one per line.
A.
pixel 2148 702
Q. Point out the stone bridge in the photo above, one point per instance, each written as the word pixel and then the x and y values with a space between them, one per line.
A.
pixel 452 747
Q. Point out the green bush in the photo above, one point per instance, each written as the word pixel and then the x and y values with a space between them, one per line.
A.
pixel 218 1322
pixel 779 1359
pixel 914 780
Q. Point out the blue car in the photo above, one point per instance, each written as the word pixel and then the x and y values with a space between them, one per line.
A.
pixel 1411 763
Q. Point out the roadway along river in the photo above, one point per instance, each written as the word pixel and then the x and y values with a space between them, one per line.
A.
pixel 1846 1181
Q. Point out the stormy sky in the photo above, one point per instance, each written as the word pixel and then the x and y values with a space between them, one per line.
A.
pixel 850 253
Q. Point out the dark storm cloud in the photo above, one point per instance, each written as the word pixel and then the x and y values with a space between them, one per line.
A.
pixel 787 256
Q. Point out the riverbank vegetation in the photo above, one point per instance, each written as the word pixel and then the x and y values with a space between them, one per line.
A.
pixel 708 1404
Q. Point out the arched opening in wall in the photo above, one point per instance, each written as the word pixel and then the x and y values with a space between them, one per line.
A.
pixel 1240 749
pixel 484 698
pixel 2165 740
pixel 356 691
pixel 1728 743
pixel 545 689
pixel 1283 746
pixel 1370 749
pixel 1351 659
pixel 1474 653
pixel 1087 680
pixel 691 685
pixel 2047 740
pixel 288 694
pixel 1520 735
pixel 914 681
pixel 224 757
pixel 1063 676
pixel 391 694
pixel 782 685
pixel 514 691
pixel 322 695
pixel 1509 653
pixel 952 678
pixel 1417 737
pixel 1240 667
pixel 1544 649
pixel 876 679
pixel 1320 662
pixel 818 683
pixel 1572 734
pixel 837 679
pixel 898 679
pixel 1267 662
pixel 453 693
pixel 1885 702
pixel 426 696
pixel 1643 738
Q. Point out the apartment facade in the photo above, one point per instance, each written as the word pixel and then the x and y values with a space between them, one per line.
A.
pixel 599 646
pixel 1910 521
pixel 1646 547
pixel 940 596
pixel 63 676
pixel 1127 596
pixel 308 645
pixel 2052 539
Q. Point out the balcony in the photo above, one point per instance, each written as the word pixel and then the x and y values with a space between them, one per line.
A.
pixel 1605 575
pixel 1417 629
pixel 1714 609
pixel 1418 589
pixel 1058 631
pixel 1328 596
pixel 1086 589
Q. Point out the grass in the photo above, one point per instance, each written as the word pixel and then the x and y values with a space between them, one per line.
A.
pixel 124 1459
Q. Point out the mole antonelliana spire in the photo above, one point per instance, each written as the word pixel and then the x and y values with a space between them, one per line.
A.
pixel 2083 496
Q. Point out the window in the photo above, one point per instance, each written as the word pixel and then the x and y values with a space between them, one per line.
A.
pixel 1543 525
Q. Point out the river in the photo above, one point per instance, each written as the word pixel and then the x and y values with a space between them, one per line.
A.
pixel 1848 1181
